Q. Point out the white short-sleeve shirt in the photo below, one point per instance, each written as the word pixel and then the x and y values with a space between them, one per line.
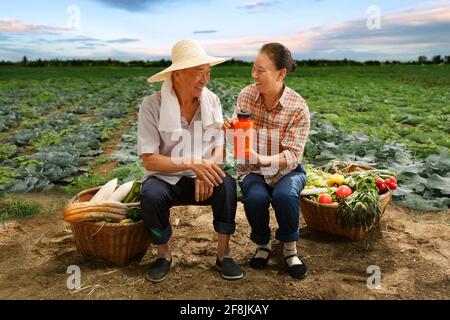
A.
pixel 193 141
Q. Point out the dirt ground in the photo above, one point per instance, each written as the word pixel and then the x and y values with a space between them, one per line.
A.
pixel 411 249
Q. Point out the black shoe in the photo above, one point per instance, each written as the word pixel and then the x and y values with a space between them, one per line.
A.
pixel 229 270
pixel 159 270
pixel 260 263
pixel 297 271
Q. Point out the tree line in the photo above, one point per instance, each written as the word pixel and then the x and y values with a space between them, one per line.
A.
pixel 163 63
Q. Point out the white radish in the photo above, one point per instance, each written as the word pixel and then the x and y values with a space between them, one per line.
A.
pixel 122 192
pixel 310 192
pixel 105 192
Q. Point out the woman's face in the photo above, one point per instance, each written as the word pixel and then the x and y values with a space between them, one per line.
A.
pixel 265 74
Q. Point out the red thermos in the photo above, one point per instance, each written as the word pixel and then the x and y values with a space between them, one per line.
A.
pixel 243 135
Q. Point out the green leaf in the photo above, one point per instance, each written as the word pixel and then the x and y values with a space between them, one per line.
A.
pixel 417 202
pixel 442 184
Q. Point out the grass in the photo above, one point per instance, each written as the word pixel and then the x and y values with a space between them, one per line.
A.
pixel 13 207
pixel 87 181
pixel 87 73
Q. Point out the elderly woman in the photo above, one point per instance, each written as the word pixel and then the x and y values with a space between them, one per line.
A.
pixel 281 124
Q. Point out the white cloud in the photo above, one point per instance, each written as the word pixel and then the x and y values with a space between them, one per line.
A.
pixel 14 25
pixel 404 35
pixel 256 4
pixel 419 30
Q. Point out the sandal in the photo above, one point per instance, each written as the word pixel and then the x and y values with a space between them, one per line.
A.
pixel 297 271
pixel 259 262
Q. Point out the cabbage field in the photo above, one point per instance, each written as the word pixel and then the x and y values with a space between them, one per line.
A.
pixel 59 125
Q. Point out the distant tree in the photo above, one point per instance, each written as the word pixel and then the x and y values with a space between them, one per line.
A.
pixel 163 63
pixel 37 63
pixel 422 60
pixel 437 59
pixel 372 63
pixel 6 63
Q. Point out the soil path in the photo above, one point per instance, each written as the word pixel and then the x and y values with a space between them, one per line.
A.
pixel 411 249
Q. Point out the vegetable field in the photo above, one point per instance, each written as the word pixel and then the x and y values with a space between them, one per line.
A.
pixel 60 126
pixel 64 130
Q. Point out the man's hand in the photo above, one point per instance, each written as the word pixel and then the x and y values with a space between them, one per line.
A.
pixel 208 172
pixel 202 191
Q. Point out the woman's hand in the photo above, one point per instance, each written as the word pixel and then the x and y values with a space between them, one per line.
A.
pixel 228 124
pixel 202 191
pixel 255 158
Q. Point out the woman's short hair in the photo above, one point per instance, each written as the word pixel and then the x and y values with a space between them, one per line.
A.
pixel 280 56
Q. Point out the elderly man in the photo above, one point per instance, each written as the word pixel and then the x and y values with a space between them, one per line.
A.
pixel 181 143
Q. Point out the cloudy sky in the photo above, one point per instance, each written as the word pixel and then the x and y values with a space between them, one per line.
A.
pixel 147 29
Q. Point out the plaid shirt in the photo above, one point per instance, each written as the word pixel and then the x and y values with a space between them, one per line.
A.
pixel 286 128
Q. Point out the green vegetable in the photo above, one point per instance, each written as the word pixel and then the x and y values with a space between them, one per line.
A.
pixel 361 210
pixel 315 178
pixel 133 195
pixel 135 214
pixel 366 180
pixel 349 182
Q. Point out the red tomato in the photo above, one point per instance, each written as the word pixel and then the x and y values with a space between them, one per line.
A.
pixel 325 198
pixel 383 188
pixel 343 192
pixel 387 181
pixel 392 185
pixel 394 179
pixel 379 182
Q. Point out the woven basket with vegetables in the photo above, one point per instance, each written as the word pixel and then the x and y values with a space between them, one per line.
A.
pixel 346 199
pixel 106 223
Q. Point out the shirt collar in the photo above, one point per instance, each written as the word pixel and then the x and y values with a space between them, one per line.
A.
pixel 280 104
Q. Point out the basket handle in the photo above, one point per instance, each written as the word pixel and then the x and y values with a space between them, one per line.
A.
pixel 99 229
pixel 93 236
pixel 353 166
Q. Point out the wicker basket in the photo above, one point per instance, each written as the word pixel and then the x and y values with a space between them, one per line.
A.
pixel 322 217
pixel 118 243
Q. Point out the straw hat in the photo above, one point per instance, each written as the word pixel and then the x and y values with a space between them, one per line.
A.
pixel 187 54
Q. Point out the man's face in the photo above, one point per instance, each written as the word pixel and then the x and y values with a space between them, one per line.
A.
pixel 194 80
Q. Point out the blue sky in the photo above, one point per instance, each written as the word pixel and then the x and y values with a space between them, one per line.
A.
pixel 147 29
